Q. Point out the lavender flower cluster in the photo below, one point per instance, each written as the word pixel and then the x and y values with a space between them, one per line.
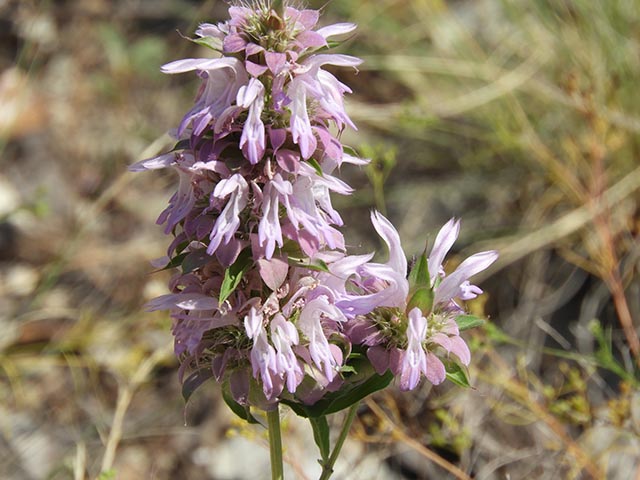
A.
pixel 267 299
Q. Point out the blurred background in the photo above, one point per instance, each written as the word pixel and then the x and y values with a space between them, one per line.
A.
pixel 522 117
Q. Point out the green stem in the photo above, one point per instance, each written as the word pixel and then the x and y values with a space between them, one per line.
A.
pixel 327 468
pixel 275 444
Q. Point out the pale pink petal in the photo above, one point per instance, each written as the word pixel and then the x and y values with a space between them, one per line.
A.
pixel 308 18
pixel 228 221
pixel 310 39
pixel 253 323
pixel 443 243
pixel 397 260
pixel 234 43
pixel 414 360
pixel 346 158
pixel 469 291
pixel 309 324
pixel 300 123
pixel 269 230
pixel 336 29
pixel 449 288
pixel 435 371
pixel 460 349
pixel 185 301
pixel 443 340
pixel 339 60
pixel 209 30
pixel 190 64
pixel 155 163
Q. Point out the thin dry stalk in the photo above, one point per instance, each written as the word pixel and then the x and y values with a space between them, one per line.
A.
pixel 125 394
pixel 522 395
pixel 80 462
pixel 614 283
pixel 515 249
pixel 399 434
pixel 609 258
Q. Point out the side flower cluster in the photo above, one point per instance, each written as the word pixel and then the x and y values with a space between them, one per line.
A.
pixel 267 300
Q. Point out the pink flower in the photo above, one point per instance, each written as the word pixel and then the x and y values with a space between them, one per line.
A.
pixel 223 78
pixel 269 231
pixel 252 141
pixel 456 284
pixel 263 355
pixel 311 326
pixel 414 360
pixel 284 335
pixel 237 189
pixel 312 84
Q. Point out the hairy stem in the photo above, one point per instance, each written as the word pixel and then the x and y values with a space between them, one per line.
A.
pixel 327 468
pixel 275 444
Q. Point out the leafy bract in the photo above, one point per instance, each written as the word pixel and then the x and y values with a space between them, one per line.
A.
pixel 234 273
pixel 194 381
pixel 465 322
pixel 457 374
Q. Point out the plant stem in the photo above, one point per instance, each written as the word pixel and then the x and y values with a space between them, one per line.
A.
pixel 275 444
pixel 327 469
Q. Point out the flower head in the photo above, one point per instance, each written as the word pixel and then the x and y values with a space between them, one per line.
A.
pixel 408 322
pixel 267 297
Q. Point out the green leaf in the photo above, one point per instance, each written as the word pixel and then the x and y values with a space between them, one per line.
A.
pixel 423 299
pixel 348 395
pixel 316 166
pixel 347 369
pixel 233 274
pixel 320 428
pixel 193 382
pixel 241 411
pixel 317 264
pixel 292 249
pixel 419 275
pixel 181 246
pixel 175 262
pixel 209 42
pixel 107 475
pixel 465 322
pixel 351 151
pixel 182 145
pixel 420 291
pixel 457 374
